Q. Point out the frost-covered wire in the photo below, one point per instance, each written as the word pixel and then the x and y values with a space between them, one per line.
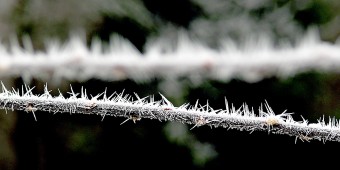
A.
pixel 120 105
pixel 252 61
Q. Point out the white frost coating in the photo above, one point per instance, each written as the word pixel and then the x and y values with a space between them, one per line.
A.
pixel 120 105
pixel 253 61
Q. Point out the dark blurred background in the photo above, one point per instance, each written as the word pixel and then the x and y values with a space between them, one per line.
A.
pixel 63 141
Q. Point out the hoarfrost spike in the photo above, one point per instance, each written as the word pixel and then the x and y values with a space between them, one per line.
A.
pixel 73 95
pixel 167 102
pixel 4 90
pixel 196 105
pixel 103 116
pixel 125 121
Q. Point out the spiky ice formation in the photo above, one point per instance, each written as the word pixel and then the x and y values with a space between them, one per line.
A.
pixel 252 61
pixel 120 105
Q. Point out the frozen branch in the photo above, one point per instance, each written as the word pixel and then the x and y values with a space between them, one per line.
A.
pixel 120 105
pixel 251 62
